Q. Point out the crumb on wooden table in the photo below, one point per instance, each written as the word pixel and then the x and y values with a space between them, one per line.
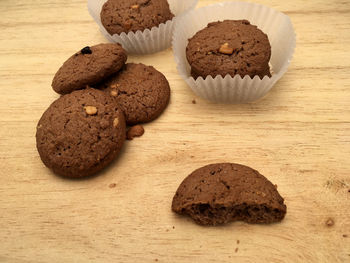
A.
pixel 112 185
pixel 330 222
pixel 135 131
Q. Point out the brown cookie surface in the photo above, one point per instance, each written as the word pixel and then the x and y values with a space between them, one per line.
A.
pixel 141 91
pixel 229 47
pixel 119 16
pixel 80 133
pixel 225 192
pixel 88 67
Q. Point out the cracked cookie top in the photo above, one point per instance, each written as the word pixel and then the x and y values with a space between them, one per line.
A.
pixel 230 47
pixel 80 133
pixel 89 66
pixel 141 91
pixel 119 16
pixel 225 192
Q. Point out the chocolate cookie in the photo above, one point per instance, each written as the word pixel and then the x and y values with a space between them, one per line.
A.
pixel 221 193
pixel 142 92
pixel 80 133
pixel 119 16
pixel 88 67
pixel 230 47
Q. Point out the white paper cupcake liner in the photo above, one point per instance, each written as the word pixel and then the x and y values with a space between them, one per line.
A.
pixel 235 89
pixel 150 40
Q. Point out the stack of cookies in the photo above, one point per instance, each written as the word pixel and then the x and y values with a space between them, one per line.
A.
pixel 84 130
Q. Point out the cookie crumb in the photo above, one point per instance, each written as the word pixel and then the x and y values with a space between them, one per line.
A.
pixel 345 235
pixel 86 50
pixel 194 101
pixel 173 227
pixel 236 250
pixel 135 6
pixel 113 185
pixel 330 222
pixel 135 131
pixel 90 110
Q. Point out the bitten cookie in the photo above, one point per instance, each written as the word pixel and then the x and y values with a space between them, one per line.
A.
pixel 230 47
pixel 141 91
pixel 80 133
pixel 88 67
pixel 225 192
pixel 119 16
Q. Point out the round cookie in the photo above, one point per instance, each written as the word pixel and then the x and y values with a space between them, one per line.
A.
pixel 80 133
pixel 88 67
pixel 119 16
pixel 230 47
pixel 225 192
pixel 141 91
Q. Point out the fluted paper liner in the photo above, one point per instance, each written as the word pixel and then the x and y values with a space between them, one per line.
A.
pixel 147 41
pixel 235 89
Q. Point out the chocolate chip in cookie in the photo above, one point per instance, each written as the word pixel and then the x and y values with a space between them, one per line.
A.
pixel 86 50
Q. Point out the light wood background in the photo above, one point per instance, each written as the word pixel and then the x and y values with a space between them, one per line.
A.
pixel 298 136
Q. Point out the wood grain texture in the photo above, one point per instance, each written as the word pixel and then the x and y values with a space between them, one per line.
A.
pixel 298 136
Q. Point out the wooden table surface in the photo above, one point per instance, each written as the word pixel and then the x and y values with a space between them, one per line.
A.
pixel 298 136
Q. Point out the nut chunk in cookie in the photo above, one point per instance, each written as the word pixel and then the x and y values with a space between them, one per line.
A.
pixel 80 133
pixel 226 192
